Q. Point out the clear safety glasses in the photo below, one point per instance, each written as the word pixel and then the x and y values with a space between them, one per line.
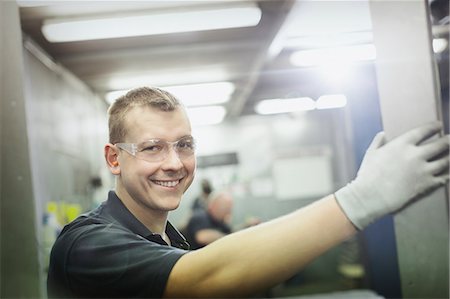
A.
pixel 156 150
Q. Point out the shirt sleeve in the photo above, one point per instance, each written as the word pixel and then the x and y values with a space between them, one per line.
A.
pixel 111 262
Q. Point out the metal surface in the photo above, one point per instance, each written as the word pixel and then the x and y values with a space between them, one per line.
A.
pixel 407 78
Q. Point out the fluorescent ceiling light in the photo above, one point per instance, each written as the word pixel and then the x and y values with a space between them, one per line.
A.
pixel 33 3
pixel 329 40
pixel 78 29
pixel 202 94
pixel 274 106
pixel 340 55
pixel 208 115
pixel 329 17
pixel 169 77
pixel 439 45
pixel 331 101
pixel 191 95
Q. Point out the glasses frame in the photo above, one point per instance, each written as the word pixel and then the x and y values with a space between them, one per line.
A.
pixel 133 148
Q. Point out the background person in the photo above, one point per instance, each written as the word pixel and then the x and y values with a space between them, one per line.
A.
pixel 201 201
pixel 208 225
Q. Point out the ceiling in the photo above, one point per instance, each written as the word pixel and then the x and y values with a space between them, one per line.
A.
pixel 255 59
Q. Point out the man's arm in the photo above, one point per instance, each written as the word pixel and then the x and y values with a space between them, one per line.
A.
pixel 262 256
pixel 240 264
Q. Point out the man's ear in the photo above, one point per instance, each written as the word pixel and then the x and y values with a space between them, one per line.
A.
pixel 111 157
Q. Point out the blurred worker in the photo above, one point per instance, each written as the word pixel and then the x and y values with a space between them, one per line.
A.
pixel 208 225
pixel 201 202
pixel 127 248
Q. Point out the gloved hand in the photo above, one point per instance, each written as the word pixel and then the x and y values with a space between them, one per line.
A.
pixel 393 174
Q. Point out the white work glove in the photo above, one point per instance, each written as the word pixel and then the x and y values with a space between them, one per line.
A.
pixel 393 174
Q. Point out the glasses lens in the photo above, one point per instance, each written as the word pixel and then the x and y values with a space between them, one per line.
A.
pixel 185 146
pixel 152 150
pixel 156 150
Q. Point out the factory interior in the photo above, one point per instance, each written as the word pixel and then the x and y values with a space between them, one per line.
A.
pixel 284 97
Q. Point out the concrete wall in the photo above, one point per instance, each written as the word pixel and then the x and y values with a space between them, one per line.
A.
pixel 19 252
pixel 53 128
pixel 67 129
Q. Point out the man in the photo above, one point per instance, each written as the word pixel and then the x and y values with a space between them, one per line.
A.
pixel 208 225
pixel 127 248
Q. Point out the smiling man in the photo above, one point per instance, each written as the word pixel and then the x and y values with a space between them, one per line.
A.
pixel 127 248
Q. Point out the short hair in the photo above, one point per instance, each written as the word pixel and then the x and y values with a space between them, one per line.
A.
pixel 138 97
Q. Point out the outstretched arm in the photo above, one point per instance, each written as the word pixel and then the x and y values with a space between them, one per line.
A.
pixel 390 176
pixel 259 257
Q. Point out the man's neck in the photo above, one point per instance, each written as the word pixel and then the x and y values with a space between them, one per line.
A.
pixel 154 220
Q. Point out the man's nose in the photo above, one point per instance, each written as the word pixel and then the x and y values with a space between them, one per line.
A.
pixel 172 160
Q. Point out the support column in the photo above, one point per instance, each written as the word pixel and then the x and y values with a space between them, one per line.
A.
pixel 410 96
pixel 19 261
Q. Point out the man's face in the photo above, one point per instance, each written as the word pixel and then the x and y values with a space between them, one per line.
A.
pixel 157 186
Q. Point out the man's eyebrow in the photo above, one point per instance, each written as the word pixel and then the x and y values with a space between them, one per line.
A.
pixel 186 136
pixel 159 139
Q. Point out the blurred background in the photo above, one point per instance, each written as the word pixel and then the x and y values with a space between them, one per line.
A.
pixel 283 96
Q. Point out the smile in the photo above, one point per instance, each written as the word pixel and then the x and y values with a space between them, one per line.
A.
pixel 170 184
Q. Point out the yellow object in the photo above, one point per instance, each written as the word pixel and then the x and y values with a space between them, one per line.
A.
pixel 64 212
pixel 72 211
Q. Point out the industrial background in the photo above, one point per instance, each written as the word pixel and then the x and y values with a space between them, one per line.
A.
pixel 341 70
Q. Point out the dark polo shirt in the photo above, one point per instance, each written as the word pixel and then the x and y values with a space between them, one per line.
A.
pixel 109 253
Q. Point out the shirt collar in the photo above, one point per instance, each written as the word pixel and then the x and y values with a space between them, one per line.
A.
pixel 117 210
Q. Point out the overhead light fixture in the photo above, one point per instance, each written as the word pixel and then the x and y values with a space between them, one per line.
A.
pixel 169 77
pixel 208 115
pixel 331 101
pixel 329 40
pixel 341 55
pixel 191 95
pixel 202 94
pixel 79 29
pixel 439 45
pixel 274 106
pixel 33 3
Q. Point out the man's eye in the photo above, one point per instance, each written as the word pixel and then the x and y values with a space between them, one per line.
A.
pixel 152 148
pixel 186 144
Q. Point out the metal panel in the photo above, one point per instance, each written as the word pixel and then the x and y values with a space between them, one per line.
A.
pixel 409 96
pixel 19 252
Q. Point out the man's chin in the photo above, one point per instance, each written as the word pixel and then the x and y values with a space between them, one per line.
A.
pixel 171 204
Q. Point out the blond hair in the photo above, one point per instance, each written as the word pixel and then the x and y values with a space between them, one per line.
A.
pixel 142 96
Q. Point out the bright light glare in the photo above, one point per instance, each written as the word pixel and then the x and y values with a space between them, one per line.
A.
pixel 208 115
pixel 336 74
pixel 333 55
pixel 331 101
pixel 439 45
pixel 70 30
pixel 202 94
pixel 329 40
pixel 274 106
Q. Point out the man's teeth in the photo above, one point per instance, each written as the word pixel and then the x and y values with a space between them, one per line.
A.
pixel 167 183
